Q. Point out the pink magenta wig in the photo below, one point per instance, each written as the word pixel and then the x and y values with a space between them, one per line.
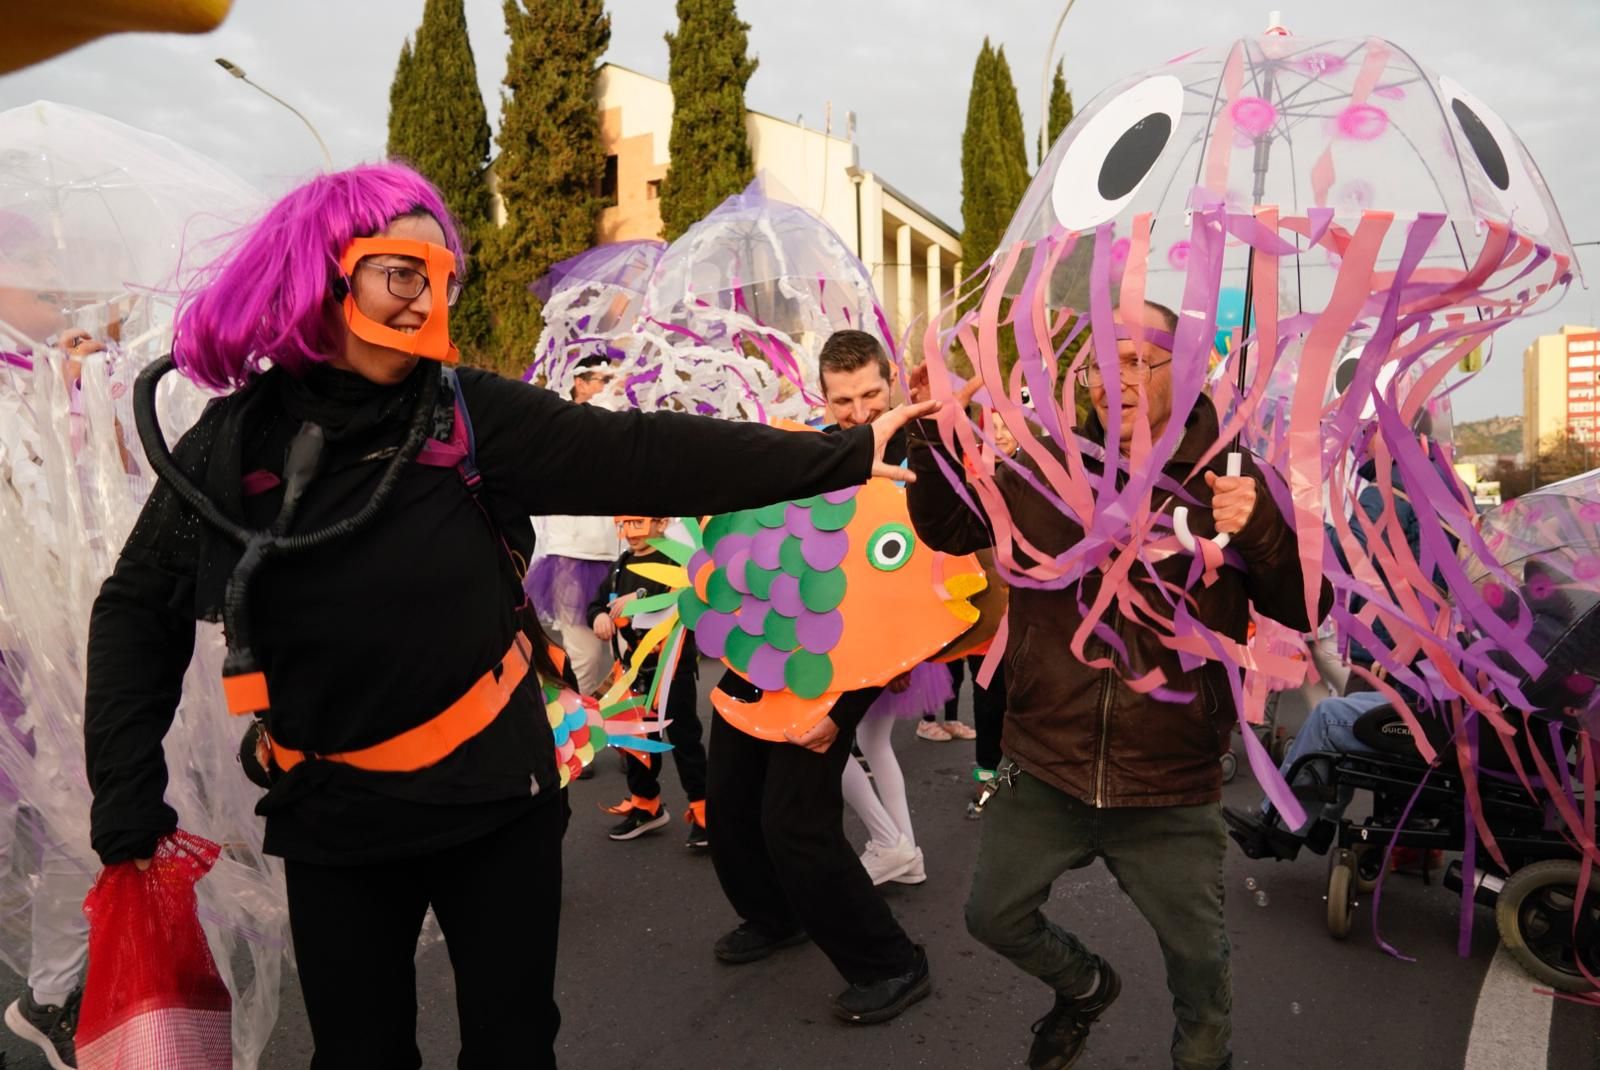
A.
pixel 268 298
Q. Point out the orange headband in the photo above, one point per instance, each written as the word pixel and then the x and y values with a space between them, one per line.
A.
pixel 432 339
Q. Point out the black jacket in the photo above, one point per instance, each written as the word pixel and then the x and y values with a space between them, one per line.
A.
pixel 623 580
pixel 372 635
pixel 1086 731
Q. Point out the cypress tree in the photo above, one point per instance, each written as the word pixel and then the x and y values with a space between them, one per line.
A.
pixel 1060 107
pixel 710 149
pixel 1013 138
pixel 979 176
pixel 438 124
pixel 551 160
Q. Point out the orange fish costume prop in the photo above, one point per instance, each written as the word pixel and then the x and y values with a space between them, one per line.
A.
pixel 809 599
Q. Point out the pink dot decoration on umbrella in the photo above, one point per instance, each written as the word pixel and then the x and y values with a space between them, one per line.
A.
pixel 1391 92
pixel 1253 115
pixel 1587 568
pixel 1178 255
pixel 1356 194
pixel 1119 250
pixel 1362 122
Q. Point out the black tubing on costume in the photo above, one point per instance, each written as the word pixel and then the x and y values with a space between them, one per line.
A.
pixel 258 546
pixel 155 449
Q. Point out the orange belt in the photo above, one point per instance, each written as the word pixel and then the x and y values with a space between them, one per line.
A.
pixel 434 740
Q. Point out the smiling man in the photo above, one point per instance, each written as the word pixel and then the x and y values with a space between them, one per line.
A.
pixel 1093 767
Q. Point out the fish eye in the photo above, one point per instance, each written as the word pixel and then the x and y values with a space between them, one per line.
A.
pixel 1110 158
pixel 890 547
pixel 1510 191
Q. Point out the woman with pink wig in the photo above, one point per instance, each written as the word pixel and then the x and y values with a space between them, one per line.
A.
pixel 346 509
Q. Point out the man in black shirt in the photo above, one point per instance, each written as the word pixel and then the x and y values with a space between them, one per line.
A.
pixel 777 809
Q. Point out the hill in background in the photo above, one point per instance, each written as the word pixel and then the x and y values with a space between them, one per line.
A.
pixel 1499 436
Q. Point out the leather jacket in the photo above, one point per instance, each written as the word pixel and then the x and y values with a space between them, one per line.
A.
pixel 1086 731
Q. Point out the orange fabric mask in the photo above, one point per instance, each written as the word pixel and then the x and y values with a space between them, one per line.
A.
pixel 432 339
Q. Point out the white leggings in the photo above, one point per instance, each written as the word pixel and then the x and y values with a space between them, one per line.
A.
pixel 888 819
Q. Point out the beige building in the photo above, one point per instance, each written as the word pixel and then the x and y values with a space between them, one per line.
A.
pixel 1561 387
pixel 914 257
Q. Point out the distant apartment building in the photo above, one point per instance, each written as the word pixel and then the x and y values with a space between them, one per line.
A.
pixel 912 255
pixel 1561 387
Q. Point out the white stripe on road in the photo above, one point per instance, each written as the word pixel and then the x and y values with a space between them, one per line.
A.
pixel 1511 1027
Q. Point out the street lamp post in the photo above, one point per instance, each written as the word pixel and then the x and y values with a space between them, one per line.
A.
pixel 238 73
pixel 1044 80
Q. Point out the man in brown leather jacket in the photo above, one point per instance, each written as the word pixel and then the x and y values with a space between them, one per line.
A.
pixel 1095 769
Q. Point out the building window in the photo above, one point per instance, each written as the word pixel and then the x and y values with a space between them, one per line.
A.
pixel 608 183
pixel 652 189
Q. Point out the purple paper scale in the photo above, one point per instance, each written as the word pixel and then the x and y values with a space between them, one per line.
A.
pixel 712 634
pixel 825 550
pixel 729 545
pixel 786 595
pixel 766 547
pixel 798 521
pixel 766 668
pixel 735 571
pixel 752 615
pixel 839 497
pixel 819 632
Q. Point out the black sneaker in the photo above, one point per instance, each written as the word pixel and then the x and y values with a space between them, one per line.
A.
pixel 1261 839
pixel 49 1027
pixel 878 1001
pixel 637 822
pixel 1059 1036
pixel 697 836
pixel 749 944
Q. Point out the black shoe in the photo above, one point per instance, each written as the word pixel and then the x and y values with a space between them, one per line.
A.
pixel 1059 1036
pixel 586 773
pixel 49 1027
pixel 637 822
pixel 749 944
pixel 697 836
pixel 878 1001
pixel 1261 839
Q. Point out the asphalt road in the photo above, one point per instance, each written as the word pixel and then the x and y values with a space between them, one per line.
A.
pixel 639 988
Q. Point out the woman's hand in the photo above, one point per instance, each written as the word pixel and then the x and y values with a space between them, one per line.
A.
pixel 603 628
pixel 884 429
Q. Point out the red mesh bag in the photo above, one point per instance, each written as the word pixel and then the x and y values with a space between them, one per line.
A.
pixel 153 997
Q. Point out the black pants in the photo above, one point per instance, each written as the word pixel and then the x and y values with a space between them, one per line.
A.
pixel 688 747
pixel 498 901
pixel 775 816
pixel 988 708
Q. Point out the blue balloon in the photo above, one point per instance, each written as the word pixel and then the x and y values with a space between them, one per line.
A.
pixel 1230 314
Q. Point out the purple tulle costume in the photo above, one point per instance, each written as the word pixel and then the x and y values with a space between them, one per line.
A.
pixel 561 588
pixel 930 689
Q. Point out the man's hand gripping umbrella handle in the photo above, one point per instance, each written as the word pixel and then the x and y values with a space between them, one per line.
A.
pixel 1180 515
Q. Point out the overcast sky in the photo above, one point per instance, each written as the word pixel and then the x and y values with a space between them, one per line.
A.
pixel 903 66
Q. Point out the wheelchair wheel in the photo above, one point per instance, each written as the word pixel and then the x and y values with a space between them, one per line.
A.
pixel 1341 896
pixel 1230 767
pixel 1535 916
pixel 1368 866
pixel 1280 747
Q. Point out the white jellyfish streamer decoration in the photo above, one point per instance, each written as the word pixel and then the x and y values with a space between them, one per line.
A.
pixel 96 218
pixel 733 315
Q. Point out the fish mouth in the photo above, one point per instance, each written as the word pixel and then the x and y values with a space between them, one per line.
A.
pixel 962 589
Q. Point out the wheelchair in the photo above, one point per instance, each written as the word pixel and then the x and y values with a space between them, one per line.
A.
pixel 1533 897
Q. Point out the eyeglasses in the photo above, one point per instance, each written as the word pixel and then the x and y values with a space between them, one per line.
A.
pixel 407 283
pixel 1134 373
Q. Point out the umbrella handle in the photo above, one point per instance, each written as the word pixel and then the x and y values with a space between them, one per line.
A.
pixel 1180 515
